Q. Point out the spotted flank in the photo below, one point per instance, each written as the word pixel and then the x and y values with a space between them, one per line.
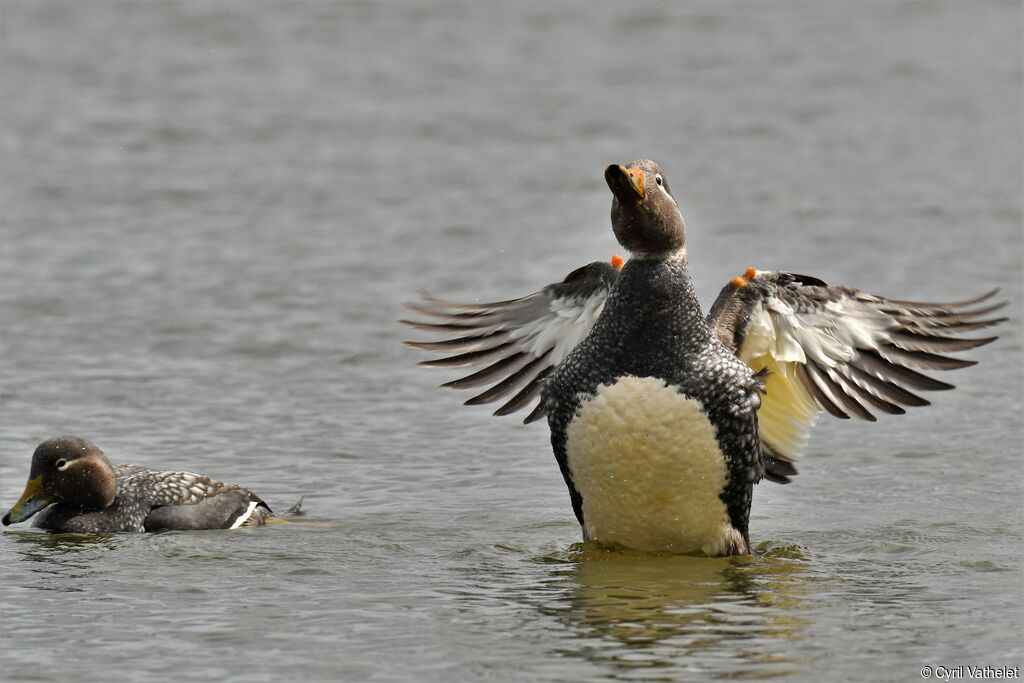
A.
pixel 73 487
pixel 662 419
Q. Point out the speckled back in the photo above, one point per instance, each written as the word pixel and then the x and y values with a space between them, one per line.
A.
pixel 141 490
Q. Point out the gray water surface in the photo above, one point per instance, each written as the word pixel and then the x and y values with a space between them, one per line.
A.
pixel 212 213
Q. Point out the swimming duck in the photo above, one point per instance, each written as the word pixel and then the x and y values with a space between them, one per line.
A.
pixel 662 419
pixel 75 489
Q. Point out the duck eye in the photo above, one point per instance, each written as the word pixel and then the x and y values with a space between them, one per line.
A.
pixel 62 464
pixel 658 180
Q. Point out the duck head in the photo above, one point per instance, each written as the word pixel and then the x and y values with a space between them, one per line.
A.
pixel 645 216
pixel 66 469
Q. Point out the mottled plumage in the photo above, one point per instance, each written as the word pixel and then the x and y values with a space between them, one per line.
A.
pixel 74 488
pixel 775 350
pixel 652 326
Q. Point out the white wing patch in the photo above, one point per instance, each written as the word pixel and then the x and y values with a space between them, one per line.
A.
pixel 244 517
pixel 573 319
pixel 518 342
pixel 787 411
pixel 783 341
pixel 836 349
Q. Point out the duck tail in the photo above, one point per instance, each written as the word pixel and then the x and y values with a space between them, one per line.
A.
pixel 296 510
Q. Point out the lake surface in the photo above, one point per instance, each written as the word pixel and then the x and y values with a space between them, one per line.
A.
pixel 213 212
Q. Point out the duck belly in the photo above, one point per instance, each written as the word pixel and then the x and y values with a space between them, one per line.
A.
pixel 646 462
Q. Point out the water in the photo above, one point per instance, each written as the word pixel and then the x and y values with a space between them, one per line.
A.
pixel 212 213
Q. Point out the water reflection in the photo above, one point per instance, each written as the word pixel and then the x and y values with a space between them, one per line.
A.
pixel 40 546
pixel 654 617
pixel 60 561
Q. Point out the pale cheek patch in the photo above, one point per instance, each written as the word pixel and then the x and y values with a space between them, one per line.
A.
pixel 647 464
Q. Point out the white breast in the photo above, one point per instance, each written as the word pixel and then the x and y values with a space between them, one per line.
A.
pixel 645 460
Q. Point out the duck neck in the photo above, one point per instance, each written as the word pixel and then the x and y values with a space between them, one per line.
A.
pixel 654 300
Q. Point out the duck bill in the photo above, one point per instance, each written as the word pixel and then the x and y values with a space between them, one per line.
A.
pixel 626 183
pixel 32 501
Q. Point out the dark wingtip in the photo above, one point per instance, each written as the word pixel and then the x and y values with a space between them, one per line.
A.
pixel 434 363
pixel 988 340
pixel 536 414
pixel 775 468
pixel 989 294
pixel 809 280
pixel 418 307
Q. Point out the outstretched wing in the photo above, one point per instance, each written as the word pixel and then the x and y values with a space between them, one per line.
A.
pixel 519 341
pixel 837 349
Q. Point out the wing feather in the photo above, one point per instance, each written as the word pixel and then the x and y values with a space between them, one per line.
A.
pixel 898 374
pixel 839 350
pixel 482 342
pixel 526 394
pixel 468 359
pixel 510 383
pixel 865 392
pixel 509 365
pixel 519 341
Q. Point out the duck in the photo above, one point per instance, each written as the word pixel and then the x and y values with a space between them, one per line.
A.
pixel 663 419
pixel 73 488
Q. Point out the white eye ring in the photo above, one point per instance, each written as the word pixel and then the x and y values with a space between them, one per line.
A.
pixel 62 464
pixel 660 182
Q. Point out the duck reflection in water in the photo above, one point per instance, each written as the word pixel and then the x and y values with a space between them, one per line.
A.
pixel 63 562
pixel 675 615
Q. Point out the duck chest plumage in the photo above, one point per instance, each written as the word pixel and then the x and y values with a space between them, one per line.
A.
pixel 654 423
